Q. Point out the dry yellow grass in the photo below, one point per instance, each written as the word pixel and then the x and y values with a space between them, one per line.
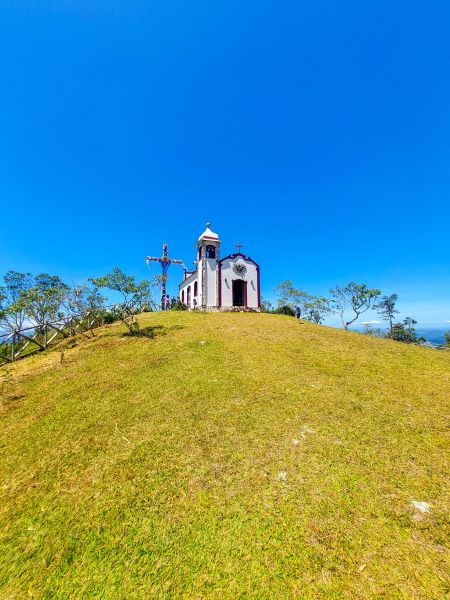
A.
pixel 233 456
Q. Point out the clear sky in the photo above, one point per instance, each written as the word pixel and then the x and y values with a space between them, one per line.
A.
pixel 316 133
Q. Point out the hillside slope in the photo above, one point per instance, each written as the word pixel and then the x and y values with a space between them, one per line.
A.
pixel 233 456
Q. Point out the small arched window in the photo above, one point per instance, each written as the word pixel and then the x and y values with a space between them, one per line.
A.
pixel 195 289
pixel 210 252
pixel 182 296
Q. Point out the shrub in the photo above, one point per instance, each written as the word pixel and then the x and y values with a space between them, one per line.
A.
pixel 285 310
pixel 178 305
pixel 110 316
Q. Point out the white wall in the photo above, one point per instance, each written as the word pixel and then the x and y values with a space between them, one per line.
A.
pixel 250 276
pixel 189 282
pixel 211 287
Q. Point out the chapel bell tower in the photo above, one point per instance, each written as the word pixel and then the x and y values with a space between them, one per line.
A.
pixel 208 257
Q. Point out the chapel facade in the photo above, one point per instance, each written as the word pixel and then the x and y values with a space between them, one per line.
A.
pixel 229 283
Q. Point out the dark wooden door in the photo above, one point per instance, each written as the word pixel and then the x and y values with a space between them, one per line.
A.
pixel 238 292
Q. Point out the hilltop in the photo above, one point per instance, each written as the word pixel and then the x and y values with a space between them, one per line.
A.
pixel 232 456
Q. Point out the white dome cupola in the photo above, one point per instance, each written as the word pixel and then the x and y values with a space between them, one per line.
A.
pixel 208 235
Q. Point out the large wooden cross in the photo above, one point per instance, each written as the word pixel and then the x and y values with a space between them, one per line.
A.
pixel 165 263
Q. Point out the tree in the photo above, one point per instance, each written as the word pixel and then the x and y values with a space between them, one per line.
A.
pixel 82 299
pixel 44 299
pixel 386 308
pixel 369 329
pixel 266 306
pixel 12 301
pixel 315 309
pixel 134 296
pixel 312 308
pixel 354 296
pixel 290 296
pixel 405 332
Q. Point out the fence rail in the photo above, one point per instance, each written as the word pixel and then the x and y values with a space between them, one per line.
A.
pixel 23 342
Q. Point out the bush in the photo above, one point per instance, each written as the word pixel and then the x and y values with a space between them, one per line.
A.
pixel 147 307
pixel 285 310
pixel 405 332
pixel 178 305
pixel 110 316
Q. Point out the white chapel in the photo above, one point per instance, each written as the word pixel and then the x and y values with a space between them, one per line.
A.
pixel 229 283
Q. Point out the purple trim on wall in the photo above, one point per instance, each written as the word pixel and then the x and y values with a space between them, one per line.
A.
pixel 219 275
pixel 243 256
pixel 259 287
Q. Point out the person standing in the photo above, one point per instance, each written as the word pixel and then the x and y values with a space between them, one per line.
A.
pixel 298 311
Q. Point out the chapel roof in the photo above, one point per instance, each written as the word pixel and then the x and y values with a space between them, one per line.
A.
pixel 208 234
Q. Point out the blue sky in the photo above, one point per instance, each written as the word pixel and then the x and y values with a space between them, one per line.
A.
pixel 317 133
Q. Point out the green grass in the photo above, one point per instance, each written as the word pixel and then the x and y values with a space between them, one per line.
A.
pixel 166 467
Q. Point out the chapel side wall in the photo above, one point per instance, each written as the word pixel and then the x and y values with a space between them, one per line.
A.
pixel 184 286
pixel 250 276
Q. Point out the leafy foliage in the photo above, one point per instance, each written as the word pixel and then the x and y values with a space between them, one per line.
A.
pixel 315 309
pixel 386 308
pixel 44 299
pixel 83 299
pixel 178 305
pixel 405 332
pixel 288 295
pixel 266 306
pixel 134 295
pixel 13 306
pixel 356 297
pixel 369 329
pixel 285 310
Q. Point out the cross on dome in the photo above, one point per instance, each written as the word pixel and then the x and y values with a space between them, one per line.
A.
pixel 239 246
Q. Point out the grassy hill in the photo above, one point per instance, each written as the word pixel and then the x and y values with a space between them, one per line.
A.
pixel 232 456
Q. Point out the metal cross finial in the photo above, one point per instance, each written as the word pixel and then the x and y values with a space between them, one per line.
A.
pixel 239 246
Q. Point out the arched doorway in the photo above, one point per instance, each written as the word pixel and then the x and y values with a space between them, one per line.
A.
pixel 239 292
